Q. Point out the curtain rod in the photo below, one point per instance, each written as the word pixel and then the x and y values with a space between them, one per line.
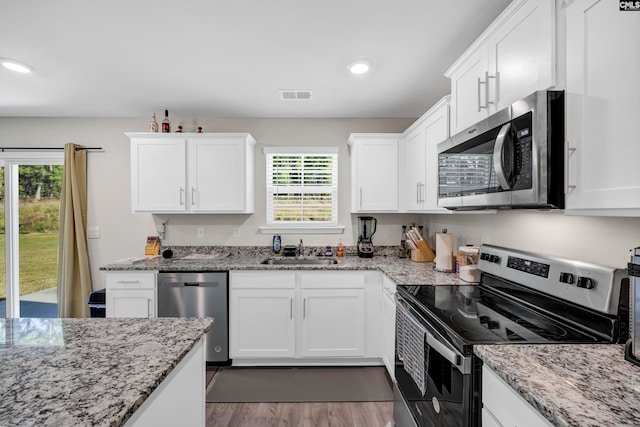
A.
pixel 2 149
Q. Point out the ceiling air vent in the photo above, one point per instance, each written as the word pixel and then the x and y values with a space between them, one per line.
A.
pixel 296 94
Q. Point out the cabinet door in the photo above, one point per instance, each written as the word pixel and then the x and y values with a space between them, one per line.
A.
pixel 262 323
pixel 217 174
pixel 603 106
pixel 506 405
pixel 130 303
pixel 374 169
pixel 468 90
pixel 414 173
pixel 158 175
pixel 389 333
pixel 332 322
pixel 436 130
pixel 521 53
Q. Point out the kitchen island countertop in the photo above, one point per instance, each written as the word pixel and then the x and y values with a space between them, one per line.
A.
pixel 81 372
pixel 571 384
pixel 402 271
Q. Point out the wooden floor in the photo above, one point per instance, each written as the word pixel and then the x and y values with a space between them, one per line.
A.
pixel 310 414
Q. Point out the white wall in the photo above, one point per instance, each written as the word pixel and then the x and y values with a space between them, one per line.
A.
pixel 123 234
pixel 602 240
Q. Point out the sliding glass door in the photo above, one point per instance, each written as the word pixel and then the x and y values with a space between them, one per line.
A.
pixel 31 204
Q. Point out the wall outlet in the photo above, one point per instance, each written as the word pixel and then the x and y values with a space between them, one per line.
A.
pixel 93 232
pixel 236 232
pixel 200 232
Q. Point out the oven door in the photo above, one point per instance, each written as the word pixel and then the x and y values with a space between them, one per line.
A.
pixel 449 398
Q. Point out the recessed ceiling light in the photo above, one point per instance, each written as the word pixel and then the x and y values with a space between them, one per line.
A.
pixel 359 67
pixel 15 65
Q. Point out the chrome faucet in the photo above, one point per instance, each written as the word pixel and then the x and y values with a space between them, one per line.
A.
pixel 301 249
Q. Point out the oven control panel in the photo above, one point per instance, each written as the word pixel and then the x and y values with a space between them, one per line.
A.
pixel 528 266
pixel 589 285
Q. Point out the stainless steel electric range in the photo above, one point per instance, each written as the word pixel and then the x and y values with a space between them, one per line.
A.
pixel 522 298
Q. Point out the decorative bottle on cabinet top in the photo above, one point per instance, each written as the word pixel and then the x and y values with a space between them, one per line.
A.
pixel 153 124
pixel 166 124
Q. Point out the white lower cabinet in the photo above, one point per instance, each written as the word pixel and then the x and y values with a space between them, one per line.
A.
pixel 389 325
pixel 303 315
pixel 262 323
pixel 130 294
pixel 502 406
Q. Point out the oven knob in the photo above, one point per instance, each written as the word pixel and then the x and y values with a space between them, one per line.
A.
pixel 585 282
pixel 566 278
pixel 484 319
pixel 494 258
pixel 484 256
pixel 492 324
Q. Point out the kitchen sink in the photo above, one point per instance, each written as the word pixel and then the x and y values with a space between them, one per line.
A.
pixel 300 261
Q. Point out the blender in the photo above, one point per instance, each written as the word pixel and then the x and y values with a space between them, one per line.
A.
pixel 367 228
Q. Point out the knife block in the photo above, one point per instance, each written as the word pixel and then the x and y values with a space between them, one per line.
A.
pixel 417 256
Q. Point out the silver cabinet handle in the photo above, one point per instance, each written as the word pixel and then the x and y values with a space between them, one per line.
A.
pixel 193 199
pixel 128 281
pixel 417 193
pixel 486 91
pixel 149 308
pixel 290 308
pixel 304 308
pixel 181 196
pixel 480 106
pixel 569 152
pixel 497 156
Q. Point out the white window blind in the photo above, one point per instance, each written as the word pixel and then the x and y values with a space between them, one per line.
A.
pixel 302 186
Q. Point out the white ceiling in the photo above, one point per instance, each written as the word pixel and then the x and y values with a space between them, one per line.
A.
pixel 128 58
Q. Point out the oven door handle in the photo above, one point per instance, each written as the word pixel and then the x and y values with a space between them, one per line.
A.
pixel 456 359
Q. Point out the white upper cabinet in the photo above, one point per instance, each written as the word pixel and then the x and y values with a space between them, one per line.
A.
pixel 374 172
pixel 197 173
pixel 513 58
pixel 420 176
pixel 603 107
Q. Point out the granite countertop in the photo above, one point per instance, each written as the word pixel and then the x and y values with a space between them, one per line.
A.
pixel 402 271
pixel 87 372
pixel 571 385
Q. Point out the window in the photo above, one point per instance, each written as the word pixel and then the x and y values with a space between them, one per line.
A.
pixel 302 186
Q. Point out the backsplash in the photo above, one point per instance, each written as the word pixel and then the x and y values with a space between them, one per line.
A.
pixel 265 251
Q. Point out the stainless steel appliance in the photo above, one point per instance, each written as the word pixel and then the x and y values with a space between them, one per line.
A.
pixel 367 228
pixel 198 294
pixel 632 348
pixel 512 159
pixel 522 298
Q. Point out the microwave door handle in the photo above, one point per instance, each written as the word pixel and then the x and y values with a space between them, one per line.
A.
pixel 498 150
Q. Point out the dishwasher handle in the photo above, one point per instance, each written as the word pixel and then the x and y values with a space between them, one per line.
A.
pixel 191 283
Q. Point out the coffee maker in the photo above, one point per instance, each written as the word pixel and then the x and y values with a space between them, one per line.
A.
pixel 632 348
pixel 367 228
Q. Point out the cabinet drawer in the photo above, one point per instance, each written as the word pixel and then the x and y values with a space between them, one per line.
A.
pixel 131 280
pixel 262 279
pixel 332 279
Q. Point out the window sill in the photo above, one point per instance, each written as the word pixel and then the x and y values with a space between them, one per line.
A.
pixel 278 229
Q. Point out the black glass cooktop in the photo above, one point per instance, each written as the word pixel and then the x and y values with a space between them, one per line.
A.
pixel 482 314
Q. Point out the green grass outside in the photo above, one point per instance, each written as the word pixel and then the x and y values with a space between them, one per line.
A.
pixel 38 262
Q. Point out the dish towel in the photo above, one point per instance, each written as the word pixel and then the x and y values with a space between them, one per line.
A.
pixel 412 347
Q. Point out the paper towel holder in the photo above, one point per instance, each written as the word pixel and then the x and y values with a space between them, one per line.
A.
pixel 444 254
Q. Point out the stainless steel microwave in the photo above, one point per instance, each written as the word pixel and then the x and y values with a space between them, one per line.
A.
pixel 513 159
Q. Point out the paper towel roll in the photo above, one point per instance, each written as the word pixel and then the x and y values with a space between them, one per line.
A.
pixel 444 252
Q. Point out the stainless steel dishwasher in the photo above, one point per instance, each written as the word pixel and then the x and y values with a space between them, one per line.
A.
pixel 198 294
